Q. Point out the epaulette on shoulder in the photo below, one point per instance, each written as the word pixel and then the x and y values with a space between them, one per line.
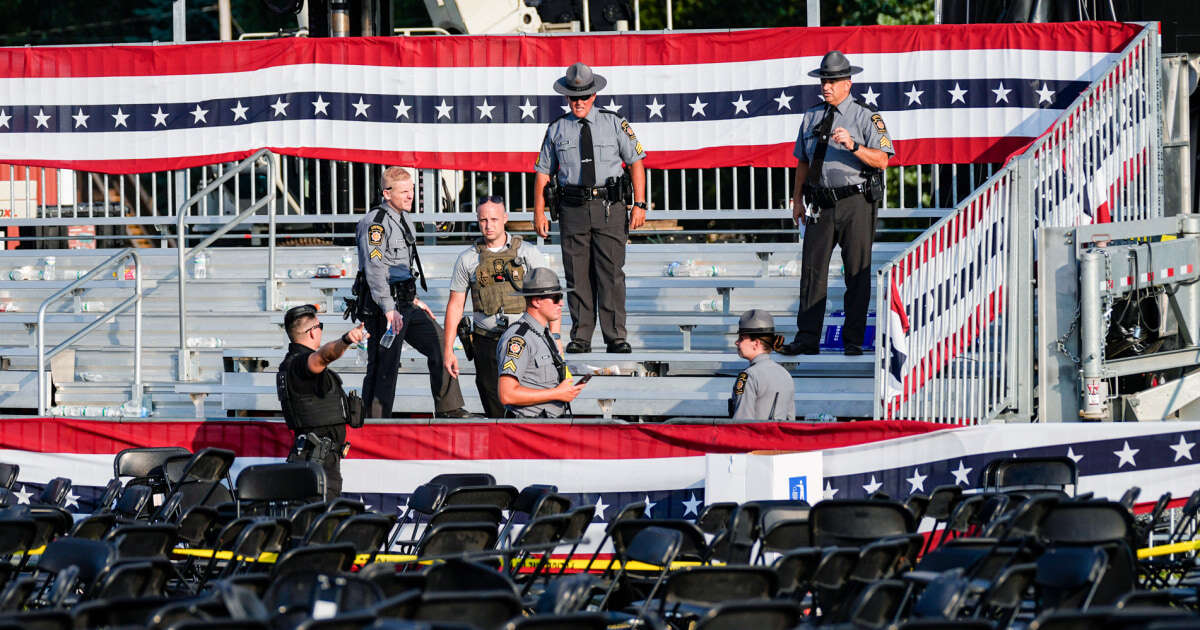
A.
pixel 866 104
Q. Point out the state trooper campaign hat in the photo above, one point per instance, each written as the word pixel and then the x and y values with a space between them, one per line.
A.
pixel 296 312
pixel 579 81
pixel 835 65
pixel 542 281
pixel 756 322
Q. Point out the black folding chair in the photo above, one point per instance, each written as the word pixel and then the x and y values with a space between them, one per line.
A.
pixel 277 489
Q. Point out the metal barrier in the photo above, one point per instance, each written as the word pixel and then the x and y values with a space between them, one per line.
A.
pixel 135 300
pixel 958 343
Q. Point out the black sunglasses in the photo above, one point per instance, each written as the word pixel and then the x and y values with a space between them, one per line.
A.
pixel 557 298
pixel 319 326
pixel 489 199
pixel 580 98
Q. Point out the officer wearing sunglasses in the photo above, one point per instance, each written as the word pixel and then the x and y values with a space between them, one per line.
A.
pixel 315 407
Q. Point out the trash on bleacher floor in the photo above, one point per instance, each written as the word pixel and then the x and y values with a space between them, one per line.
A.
pixel 205 342
pixel 693 269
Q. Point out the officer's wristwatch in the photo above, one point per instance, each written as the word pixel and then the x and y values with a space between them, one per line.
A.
pixel 855 148
pixel 639 204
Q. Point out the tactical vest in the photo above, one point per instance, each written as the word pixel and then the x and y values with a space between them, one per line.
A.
pixel 304 412
pixel 491 288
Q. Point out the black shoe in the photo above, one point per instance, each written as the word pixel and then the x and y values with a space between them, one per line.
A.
pixel 797 347
pixel 852 351
pixel 576 346
pixel 457 413
pixel 620 346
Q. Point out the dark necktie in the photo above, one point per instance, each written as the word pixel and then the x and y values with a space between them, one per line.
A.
pixel 823 130
pixel 587 159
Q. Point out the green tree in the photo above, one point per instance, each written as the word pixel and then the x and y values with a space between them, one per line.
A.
pixel 767 13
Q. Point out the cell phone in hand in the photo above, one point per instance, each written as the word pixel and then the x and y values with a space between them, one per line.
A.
pixel 584 380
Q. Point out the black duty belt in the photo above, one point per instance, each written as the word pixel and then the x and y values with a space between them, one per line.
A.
pixel 840 192
pixel 587 192
pixel 488 334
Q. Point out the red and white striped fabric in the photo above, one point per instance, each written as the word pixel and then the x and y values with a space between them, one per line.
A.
pixel 949 94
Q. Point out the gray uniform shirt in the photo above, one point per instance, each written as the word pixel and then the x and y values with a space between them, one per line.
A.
pixel 613 142
pixel 528 358
pixel 762 384
pixel 384 253
pixel 841 168
pixel 467 263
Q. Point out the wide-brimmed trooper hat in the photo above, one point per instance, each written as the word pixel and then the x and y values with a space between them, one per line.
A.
pixel 540 282
pixel 756 322
pixel 579 81
pixel 835 65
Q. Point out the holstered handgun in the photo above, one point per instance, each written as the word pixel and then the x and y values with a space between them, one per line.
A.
pixel 361 307
pixel 310 447
pixel 464 336
pixel 873 190
pixel 552 197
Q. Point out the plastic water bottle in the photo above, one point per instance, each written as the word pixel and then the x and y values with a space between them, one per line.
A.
pixel 388 338
pixel 347 261
pixel 91 306
pixel 307 272
pixel 200 266
pixel 360 354
pixel 7 307
pixel 711 305
pixel 790 268
pixel 205 342
pixel 23 273
pixel 685 269
pixel 48 268
pixel 712 270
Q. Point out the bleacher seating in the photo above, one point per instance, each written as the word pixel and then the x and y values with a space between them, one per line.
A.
pixel 233 332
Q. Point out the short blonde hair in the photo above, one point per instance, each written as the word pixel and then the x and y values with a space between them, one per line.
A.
pixel 394 175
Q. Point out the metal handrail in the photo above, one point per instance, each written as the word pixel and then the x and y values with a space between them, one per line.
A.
pixel 135 300
pixel 186 254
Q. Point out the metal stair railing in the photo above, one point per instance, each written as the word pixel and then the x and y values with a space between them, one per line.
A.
pixel 186 255
pixel 135 300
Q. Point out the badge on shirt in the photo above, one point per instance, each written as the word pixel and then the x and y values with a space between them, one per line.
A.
pixel 515 346
pixel 884 143
pixel 740 386
pixel 878 120
pixel 375 234
pixel 629 130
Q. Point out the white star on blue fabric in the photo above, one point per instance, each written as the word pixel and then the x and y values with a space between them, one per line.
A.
pixel 914 95
pixel 160 117
pixel 527 109
pixel 871 97
pixel 1182 449
pixel 957 94
pixel 612 106
pixel 23 495
pixel 119 119
pixel 81 118
pixel 485 110
pixel 829 492
pixel 649 505
pixel 655 108
pixel 42 118
pixel 784 101
pixel 239 111
pixel 1045 94
pixel 917 481
pixel 698 108
pixel 960 474
pixel 1125 455
pixel 1001 92
pixel 320 106
pixel 443 110
pixel 199 115
pixel 72 499
pixel 361 107
pixel 872 486
pixel 601 506
pixel 279 106
pixel 740 105
pixel 4 118
pixel 402 109
pixel 1072 456
pixel 692 505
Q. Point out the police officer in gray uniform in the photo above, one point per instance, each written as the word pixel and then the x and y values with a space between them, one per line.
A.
pixel 583 149
pixel 764 390
pixel 533 379
pixel 387 255
pixel 842 147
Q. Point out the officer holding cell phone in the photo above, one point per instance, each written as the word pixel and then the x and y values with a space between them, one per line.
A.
pixel 533 380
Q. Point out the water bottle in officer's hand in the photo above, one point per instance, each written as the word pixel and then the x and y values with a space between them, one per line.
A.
pixel 388 337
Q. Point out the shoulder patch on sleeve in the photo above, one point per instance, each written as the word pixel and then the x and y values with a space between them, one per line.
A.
pixel 515 346
pixel 627 129
pixel 740 386
pixel 375 234
pixel 878 120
